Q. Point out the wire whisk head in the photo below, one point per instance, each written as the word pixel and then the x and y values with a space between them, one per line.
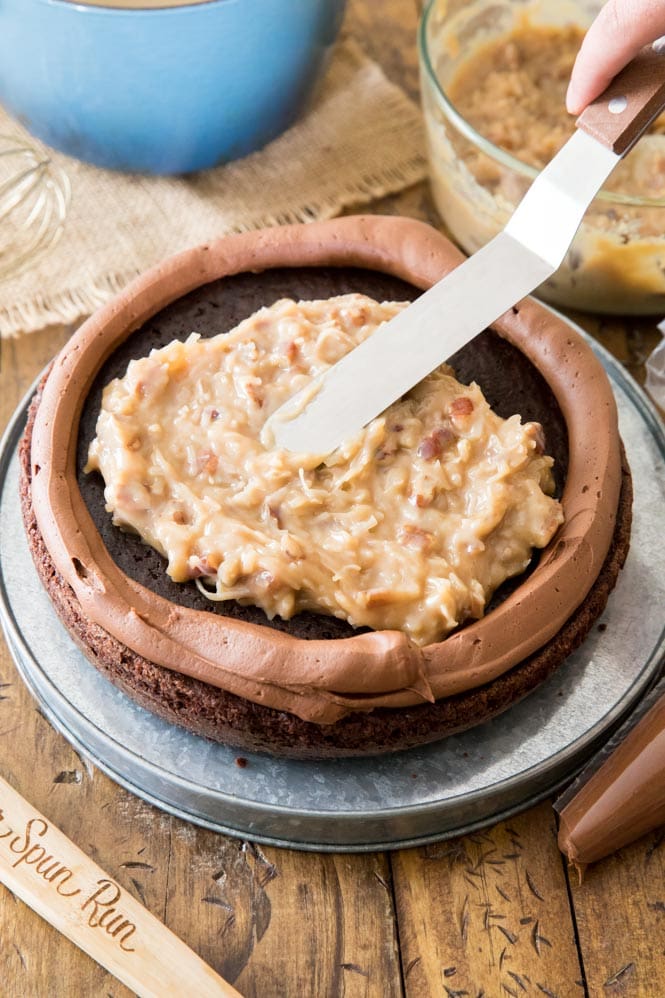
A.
pixel 34 197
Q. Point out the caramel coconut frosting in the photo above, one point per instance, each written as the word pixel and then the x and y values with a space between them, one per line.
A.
pixel 324 680
pixel 411 525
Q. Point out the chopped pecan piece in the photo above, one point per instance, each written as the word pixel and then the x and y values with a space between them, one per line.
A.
pixel 275 513
pixel 415 537
pixel 355 316
pixel 461 406
pixel 255 395
pixel 291 350
pixel 197 567
pixel 537 434
pixel 434 444
pixel 377 597
pixel 386 595
pixel 208 462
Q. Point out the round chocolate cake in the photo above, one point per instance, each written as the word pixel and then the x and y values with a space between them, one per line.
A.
pixel 313 686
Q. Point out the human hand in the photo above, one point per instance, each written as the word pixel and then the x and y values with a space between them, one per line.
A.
pixel 620 30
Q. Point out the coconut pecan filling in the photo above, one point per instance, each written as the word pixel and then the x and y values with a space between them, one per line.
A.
pixel 411 525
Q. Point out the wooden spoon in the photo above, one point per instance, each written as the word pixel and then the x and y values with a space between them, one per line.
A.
pixel 44 868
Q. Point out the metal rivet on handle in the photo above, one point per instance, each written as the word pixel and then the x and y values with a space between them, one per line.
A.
pixel 659 45
pixel 617 105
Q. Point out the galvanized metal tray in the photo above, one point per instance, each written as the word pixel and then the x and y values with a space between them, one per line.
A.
pixel 414 797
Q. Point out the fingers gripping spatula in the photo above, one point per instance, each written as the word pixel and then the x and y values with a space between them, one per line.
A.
pixel 530 248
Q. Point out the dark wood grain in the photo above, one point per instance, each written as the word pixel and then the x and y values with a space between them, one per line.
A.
pixel 488 913
pixel 34 958
pixel 620 916
pixel 266 918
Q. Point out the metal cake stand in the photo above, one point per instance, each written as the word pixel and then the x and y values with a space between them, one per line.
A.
pixel 410 798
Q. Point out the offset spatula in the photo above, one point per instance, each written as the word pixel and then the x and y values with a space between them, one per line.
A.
pixel 528 251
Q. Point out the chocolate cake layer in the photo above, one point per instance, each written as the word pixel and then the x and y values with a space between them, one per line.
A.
pixel 510 384
pixel 292 687
pixel 222 716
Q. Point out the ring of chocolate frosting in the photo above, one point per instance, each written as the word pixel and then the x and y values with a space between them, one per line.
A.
pixel 321 681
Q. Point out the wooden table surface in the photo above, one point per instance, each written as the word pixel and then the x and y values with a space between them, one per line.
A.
pixel 493 914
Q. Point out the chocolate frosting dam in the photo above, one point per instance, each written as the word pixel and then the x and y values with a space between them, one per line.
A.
pixel 321 681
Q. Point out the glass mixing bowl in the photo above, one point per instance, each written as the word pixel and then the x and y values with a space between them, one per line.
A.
pixel 616 263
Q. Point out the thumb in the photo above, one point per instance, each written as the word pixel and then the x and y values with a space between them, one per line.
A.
pixel 619 31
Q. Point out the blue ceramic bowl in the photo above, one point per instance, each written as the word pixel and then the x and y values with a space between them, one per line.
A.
pixel 167 90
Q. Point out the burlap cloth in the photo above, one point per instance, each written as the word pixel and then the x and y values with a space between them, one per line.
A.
pixel 360 140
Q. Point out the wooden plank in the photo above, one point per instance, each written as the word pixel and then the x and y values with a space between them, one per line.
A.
pixel 488 914
pixel 629 339
pixel 21 360
pixel 281 922
pixel 620 913
pixel 387 32
pixel 100 818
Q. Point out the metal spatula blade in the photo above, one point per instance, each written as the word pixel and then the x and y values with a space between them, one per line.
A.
pixel 528 251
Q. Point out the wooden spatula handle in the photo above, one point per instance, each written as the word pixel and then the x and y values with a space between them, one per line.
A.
pixel 619 116
pixel 41 866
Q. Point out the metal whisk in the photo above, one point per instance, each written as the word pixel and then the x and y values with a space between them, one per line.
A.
pixel 34 196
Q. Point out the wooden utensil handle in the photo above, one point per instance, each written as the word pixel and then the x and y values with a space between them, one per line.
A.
pixel 41 866
pixel 633 99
